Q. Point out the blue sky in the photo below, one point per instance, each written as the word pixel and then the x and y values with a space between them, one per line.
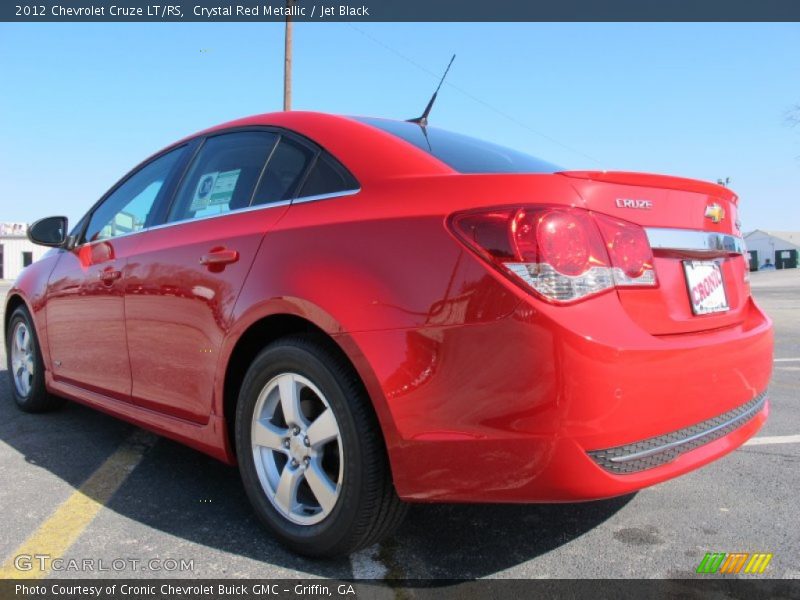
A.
pixel 82 103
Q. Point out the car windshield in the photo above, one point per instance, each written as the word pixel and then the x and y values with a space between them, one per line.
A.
pixel 463 153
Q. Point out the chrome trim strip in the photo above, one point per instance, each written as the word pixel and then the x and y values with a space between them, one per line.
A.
pixel 745 416
pixel 246 209
pixel 325 196
pixel 230 212
pixel 694 241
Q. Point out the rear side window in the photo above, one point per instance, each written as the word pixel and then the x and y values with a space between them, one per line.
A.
pixel 223 175
pixel 463 153
pixel 284 171
pixel 327 176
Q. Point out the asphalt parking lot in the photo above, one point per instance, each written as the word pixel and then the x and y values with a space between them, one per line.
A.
pixel 175 503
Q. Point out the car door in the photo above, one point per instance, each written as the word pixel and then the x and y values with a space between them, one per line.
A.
pixel 85 292
pixel 187 273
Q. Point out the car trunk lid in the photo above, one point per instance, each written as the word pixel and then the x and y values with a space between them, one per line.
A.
pixel 693 229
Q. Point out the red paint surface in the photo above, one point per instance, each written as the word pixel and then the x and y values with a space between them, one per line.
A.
pixel 483 391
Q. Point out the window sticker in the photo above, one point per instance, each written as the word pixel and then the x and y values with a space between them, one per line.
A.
pixel 224 184
pixel 202 193
pixel 124 222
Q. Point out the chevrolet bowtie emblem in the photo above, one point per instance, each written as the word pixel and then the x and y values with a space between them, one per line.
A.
pixel 715 212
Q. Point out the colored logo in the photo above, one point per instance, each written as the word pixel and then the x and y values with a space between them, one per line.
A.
pixel 707 286
pixel 736 562
pixel 205 186
pixel 715 212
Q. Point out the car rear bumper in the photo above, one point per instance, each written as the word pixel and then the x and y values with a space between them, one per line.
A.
pixel 534 409
pixel 663 449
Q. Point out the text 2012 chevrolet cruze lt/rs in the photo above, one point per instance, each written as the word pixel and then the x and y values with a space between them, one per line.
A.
pixel 360 312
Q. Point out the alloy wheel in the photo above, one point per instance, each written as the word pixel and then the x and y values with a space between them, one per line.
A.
pixel 297 449
pixel 22 359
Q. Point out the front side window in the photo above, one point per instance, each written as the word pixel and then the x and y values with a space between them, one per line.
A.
pixel 223 175
pixel 127 208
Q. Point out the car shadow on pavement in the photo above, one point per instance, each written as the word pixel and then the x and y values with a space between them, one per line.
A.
pixel 480 540
pixel 185 494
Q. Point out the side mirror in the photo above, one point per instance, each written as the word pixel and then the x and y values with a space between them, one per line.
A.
pixel 50 231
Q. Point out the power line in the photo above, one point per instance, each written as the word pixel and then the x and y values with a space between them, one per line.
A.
pixel 475 98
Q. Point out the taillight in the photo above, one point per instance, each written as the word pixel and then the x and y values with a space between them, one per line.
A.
pixel 562 253
pixel 629 251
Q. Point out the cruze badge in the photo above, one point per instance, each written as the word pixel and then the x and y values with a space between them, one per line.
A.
pixel 632 203
pixel 715 212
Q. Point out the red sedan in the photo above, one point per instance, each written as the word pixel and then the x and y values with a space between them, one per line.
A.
pixel 360 312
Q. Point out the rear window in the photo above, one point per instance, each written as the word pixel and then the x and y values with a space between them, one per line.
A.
pixel 463 153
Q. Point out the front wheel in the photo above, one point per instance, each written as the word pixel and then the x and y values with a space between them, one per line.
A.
pixel 26 366
pixel 310 451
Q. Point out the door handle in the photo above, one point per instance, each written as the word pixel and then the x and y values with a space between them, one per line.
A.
pixel 109 276
pixel 219 257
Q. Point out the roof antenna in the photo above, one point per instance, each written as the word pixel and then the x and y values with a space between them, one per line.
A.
pixel 422 120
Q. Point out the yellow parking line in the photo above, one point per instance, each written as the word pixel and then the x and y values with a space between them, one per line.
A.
pixel 65 525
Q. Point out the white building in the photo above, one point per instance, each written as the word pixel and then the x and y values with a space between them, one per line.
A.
pixel 16 252
pixel 780 248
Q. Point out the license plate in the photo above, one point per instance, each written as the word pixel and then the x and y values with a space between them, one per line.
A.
pixel 706 286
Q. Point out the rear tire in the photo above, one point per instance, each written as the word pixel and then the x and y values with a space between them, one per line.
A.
pixel 310 451
pixel 26 366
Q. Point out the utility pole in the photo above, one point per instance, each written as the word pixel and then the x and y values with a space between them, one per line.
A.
pixel 287 60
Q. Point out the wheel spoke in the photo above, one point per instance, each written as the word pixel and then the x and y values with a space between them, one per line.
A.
pixel 19 338
pixel 290 401
pixel 286 494
pixel 322 487
pixel 323 429
pixel 269 436
pixel 24 381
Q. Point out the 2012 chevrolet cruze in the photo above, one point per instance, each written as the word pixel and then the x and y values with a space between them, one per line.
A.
pixel 360 312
